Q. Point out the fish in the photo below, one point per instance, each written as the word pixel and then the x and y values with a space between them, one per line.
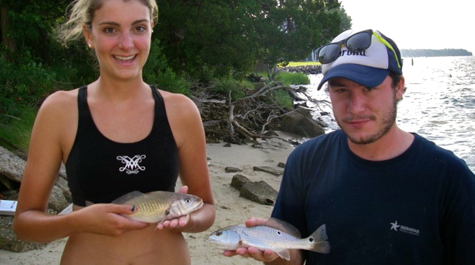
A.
pixel 276 235
pixel 158 206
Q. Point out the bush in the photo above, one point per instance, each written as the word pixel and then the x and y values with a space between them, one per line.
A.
pixel 224 86
pixel 292 78
pixel 156 72
pixel 282 99
pixel 24 84
pixel 16 131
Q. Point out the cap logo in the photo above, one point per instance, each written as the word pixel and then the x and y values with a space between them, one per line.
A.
pixel 350 53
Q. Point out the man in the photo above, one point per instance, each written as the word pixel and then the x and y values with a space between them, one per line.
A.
pixel 386 196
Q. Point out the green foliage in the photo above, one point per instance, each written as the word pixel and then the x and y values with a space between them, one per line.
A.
pixel 206 39
pixel 24 84
pixel 225 86
pixel 281 98
pixel 215 38
pixel 292 78
pixel 16 130
pixel 288 78
pixel 157 72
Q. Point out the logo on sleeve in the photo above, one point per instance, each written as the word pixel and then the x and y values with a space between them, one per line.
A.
pixel 132 165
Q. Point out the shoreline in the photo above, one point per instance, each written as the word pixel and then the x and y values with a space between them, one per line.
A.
pixel 230 208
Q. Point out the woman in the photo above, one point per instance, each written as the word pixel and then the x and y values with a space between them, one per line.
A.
pixel 115 135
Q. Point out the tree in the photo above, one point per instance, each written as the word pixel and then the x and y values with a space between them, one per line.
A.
pixel 206 39
pixel 291 29
pixel 218 38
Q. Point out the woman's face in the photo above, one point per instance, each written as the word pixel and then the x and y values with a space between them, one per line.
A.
pixel 120 34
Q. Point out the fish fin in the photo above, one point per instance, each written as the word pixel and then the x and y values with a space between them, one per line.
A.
pixel 319 238
pixel 283 226
pixel 284 253
pixel 124 199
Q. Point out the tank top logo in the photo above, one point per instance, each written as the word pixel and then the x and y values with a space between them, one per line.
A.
pixel 132 165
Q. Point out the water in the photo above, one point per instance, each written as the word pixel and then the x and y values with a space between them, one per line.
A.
pixel 439 103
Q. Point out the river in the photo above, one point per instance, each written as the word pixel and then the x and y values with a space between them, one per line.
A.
pixel 439 103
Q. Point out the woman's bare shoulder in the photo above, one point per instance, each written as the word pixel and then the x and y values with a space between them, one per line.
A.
pixel 59 106
pixel 62 97
pixel 176 98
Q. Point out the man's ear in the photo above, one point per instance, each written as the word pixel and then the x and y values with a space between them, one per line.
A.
pixel 400 89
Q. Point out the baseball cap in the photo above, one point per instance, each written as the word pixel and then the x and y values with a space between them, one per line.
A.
pixel 368 67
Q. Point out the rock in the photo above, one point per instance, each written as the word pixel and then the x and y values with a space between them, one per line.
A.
pixel 62 183
pixel 298 123
pixel 259 192
pixel 11 165
pixel 57 201
pixel 269 170
pixel 11 174
pixel 238 181
pixel 306 69
pixel 305 112
pixel 232 169
pixel 8 183
pixel 257 145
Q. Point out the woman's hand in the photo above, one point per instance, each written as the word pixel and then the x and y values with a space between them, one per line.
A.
pixel 106 219
pixel 176 223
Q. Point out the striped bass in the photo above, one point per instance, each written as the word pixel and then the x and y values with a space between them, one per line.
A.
pixel 158 206
pixel 274 234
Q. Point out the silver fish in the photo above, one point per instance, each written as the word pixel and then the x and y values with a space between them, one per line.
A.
pixel 274 234
pixel 157 206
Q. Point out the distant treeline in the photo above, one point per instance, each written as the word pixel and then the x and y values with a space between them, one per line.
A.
pixel 434 53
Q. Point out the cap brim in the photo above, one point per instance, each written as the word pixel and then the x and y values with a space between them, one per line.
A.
pixel 363 75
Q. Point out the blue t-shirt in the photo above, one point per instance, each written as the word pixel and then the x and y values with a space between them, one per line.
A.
pixel 417 208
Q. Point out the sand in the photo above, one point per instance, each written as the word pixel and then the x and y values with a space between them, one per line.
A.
pixel 230 208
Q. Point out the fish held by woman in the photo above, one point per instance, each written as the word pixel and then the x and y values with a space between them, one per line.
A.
pixel 158 206
pixel 274 234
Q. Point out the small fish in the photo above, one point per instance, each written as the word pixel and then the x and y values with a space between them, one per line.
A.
pixel 158 206
pixel 274 234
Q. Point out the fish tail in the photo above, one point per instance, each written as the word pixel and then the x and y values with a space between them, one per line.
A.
pixel 319 240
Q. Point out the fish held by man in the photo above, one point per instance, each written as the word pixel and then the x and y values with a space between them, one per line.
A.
pixel 274 234
pixel 158 206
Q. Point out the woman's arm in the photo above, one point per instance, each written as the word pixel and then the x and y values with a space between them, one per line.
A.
pixel 187 128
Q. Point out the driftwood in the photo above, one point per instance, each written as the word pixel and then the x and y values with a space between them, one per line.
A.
pixel 248 117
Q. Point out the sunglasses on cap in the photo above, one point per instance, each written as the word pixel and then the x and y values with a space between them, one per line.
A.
pixel 355 43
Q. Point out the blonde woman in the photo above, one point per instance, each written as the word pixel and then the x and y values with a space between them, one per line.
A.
pixel 115 135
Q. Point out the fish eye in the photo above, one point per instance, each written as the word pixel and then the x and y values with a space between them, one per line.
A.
pixel 188 201
pixel 219 233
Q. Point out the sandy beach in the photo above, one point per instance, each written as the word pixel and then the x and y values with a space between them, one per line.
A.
pixel 230 208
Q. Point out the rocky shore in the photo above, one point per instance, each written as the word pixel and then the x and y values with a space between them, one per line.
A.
pixel 306 69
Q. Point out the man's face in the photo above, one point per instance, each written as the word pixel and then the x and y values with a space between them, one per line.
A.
pixel 364 114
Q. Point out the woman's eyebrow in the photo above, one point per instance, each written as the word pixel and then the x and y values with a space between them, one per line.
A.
pixel 117 24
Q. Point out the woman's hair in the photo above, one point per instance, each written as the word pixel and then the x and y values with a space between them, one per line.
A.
pixel 82 13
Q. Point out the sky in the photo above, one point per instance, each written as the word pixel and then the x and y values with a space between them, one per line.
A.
pixel 417 24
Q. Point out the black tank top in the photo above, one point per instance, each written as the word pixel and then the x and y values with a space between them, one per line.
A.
pixel 100 170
